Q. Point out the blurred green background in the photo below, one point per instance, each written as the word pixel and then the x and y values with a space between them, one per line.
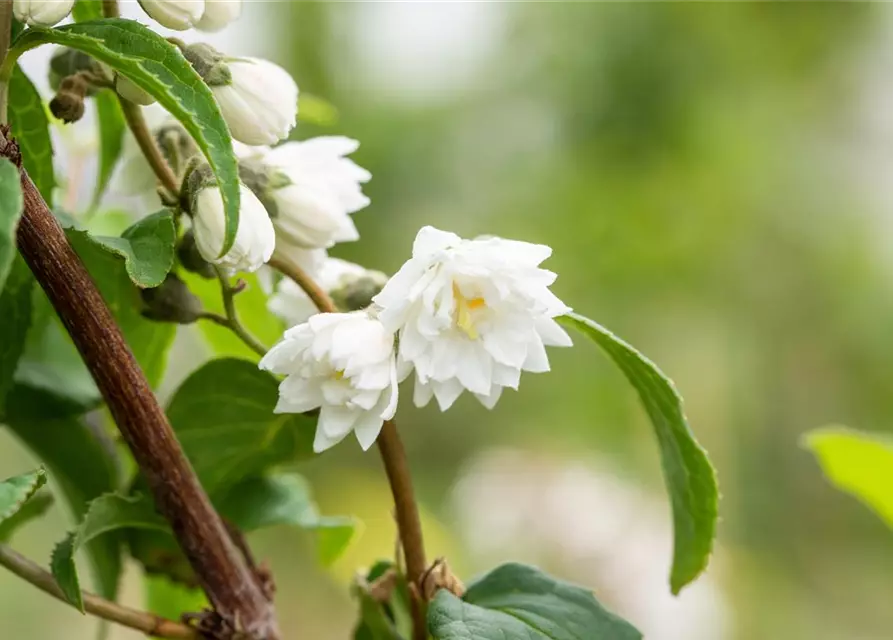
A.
pixel 714 180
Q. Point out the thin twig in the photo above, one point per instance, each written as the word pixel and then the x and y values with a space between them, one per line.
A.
pixel 393 456
pixel 317 294
pixel 148 623
pixel 133 115
pixel 231 320
pixel 110 9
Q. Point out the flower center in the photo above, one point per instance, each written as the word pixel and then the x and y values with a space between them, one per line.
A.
pixel 339 374
pixel 463 312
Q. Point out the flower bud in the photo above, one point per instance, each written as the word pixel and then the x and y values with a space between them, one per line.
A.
pixel 191 258
pixel 171 302
pixel 68 105
pixel 258 99
pixel 357 294
pixel 68 62
pixel 41 13
pixel 255 237
pixel 174 14
pixel 129 91
pixel 218 14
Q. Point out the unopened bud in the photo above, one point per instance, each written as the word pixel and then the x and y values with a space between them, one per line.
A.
pixel 356 294
pixel 68 62
pixel 68 105
pixel 191 258
pixel 171 302
pixel 209 63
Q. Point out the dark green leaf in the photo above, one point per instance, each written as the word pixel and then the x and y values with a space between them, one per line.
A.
pixel 517 602
pixel 31 128
pixel 79 461
pixel 690 478
pixel 111 125
pixel 157 67
pixel 859 464
pixel 15 491
pixel 147 248
pixel 285 499
pixel 35 508
pixel 10 211
pixel 223 416
pixel 84 10
pixel 149 341
pixel 107 513
pixel 15 311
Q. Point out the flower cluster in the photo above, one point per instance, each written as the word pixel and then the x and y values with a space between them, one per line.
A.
pixel 206 15
pixel 462 314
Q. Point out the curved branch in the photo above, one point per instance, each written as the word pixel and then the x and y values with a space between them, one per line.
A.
pixel 148 623
pixel 317 294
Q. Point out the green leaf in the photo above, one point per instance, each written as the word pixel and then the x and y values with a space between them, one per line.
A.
pixel 389 620
pixel 859 464
pixel 35 508
pixel 690 478
pixel 169 599
pixel 251 305
pixel 157 67
pixel 268 501
pixel 149 341
pixel 15 491
pixel 223 417
pixel 84 10
pixel 111 125
pixel 315 110
pixel 517 602
pixel 15 311
pixel 31 128
pixel 107 513
pixel 80 462
pixel 11 204
pixel 147 248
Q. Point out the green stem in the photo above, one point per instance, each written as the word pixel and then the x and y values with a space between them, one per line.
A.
pixel 231 319
pixel 5 35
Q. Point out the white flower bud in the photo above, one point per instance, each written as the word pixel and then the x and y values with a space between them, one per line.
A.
pixel 255 237
pixel 345 365
pixel 174 14
pixel 259 100
pixel 218 14
pixel 41 13
pixel 129 91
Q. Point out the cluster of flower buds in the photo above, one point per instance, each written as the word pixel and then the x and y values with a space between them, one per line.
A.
pixel 462 314
pixel 205 15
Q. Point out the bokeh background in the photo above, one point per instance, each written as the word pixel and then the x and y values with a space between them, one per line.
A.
pixel 715 181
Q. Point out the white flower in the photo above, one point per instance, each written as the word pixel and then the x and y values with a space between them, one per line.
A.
pixel 255 237
pixel 174 14
pixel 313 189
pixel 344 364
pixel 218 14
pixel 259 100
pixel 472 314
pixel 290 303
pixel 42 13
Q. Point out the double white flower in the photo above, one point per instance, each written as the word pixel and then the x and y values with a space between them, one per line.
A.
pixel 472 314
pixel 343 364
pixel 205 15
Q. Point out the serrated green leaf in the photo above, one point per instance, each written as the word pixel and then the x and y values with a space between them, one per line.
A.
pixel 268 501
pixel 149 341
pixel 170 600
pixel 857 463
pixel 690 478
pixel 15 491
pixel 31 128
pixel 79 462
pixel 110 122
pixel 11 204
pixel 84 10
pixel 517 602
pixel 315 110
pixel 157 67
pixel 251 305
pixel 35 508
pixel 147 248
pixel 15 310
pixel 107 513
pixel 223 416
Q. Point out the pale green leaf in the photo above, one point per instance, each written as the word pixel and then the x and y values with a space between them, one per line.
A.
pixel 15 491
pixel 517 602
pixel 859 464
pixel 107 513
pixel 157 67
pixel 33 509
pixel 690 478
pixel 84 10
pixel 31 129
pixel 110 122
pixel 11 204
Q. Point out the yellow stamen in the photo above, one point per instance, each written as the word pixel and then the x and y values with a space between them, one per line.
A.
pixel 339 374
pixel 464 307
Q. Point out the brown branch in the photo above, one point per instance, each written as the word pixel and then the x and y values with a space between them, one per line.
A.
pixel 148 623
pixel 133 115
pixel 221 571
pixel 317 294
